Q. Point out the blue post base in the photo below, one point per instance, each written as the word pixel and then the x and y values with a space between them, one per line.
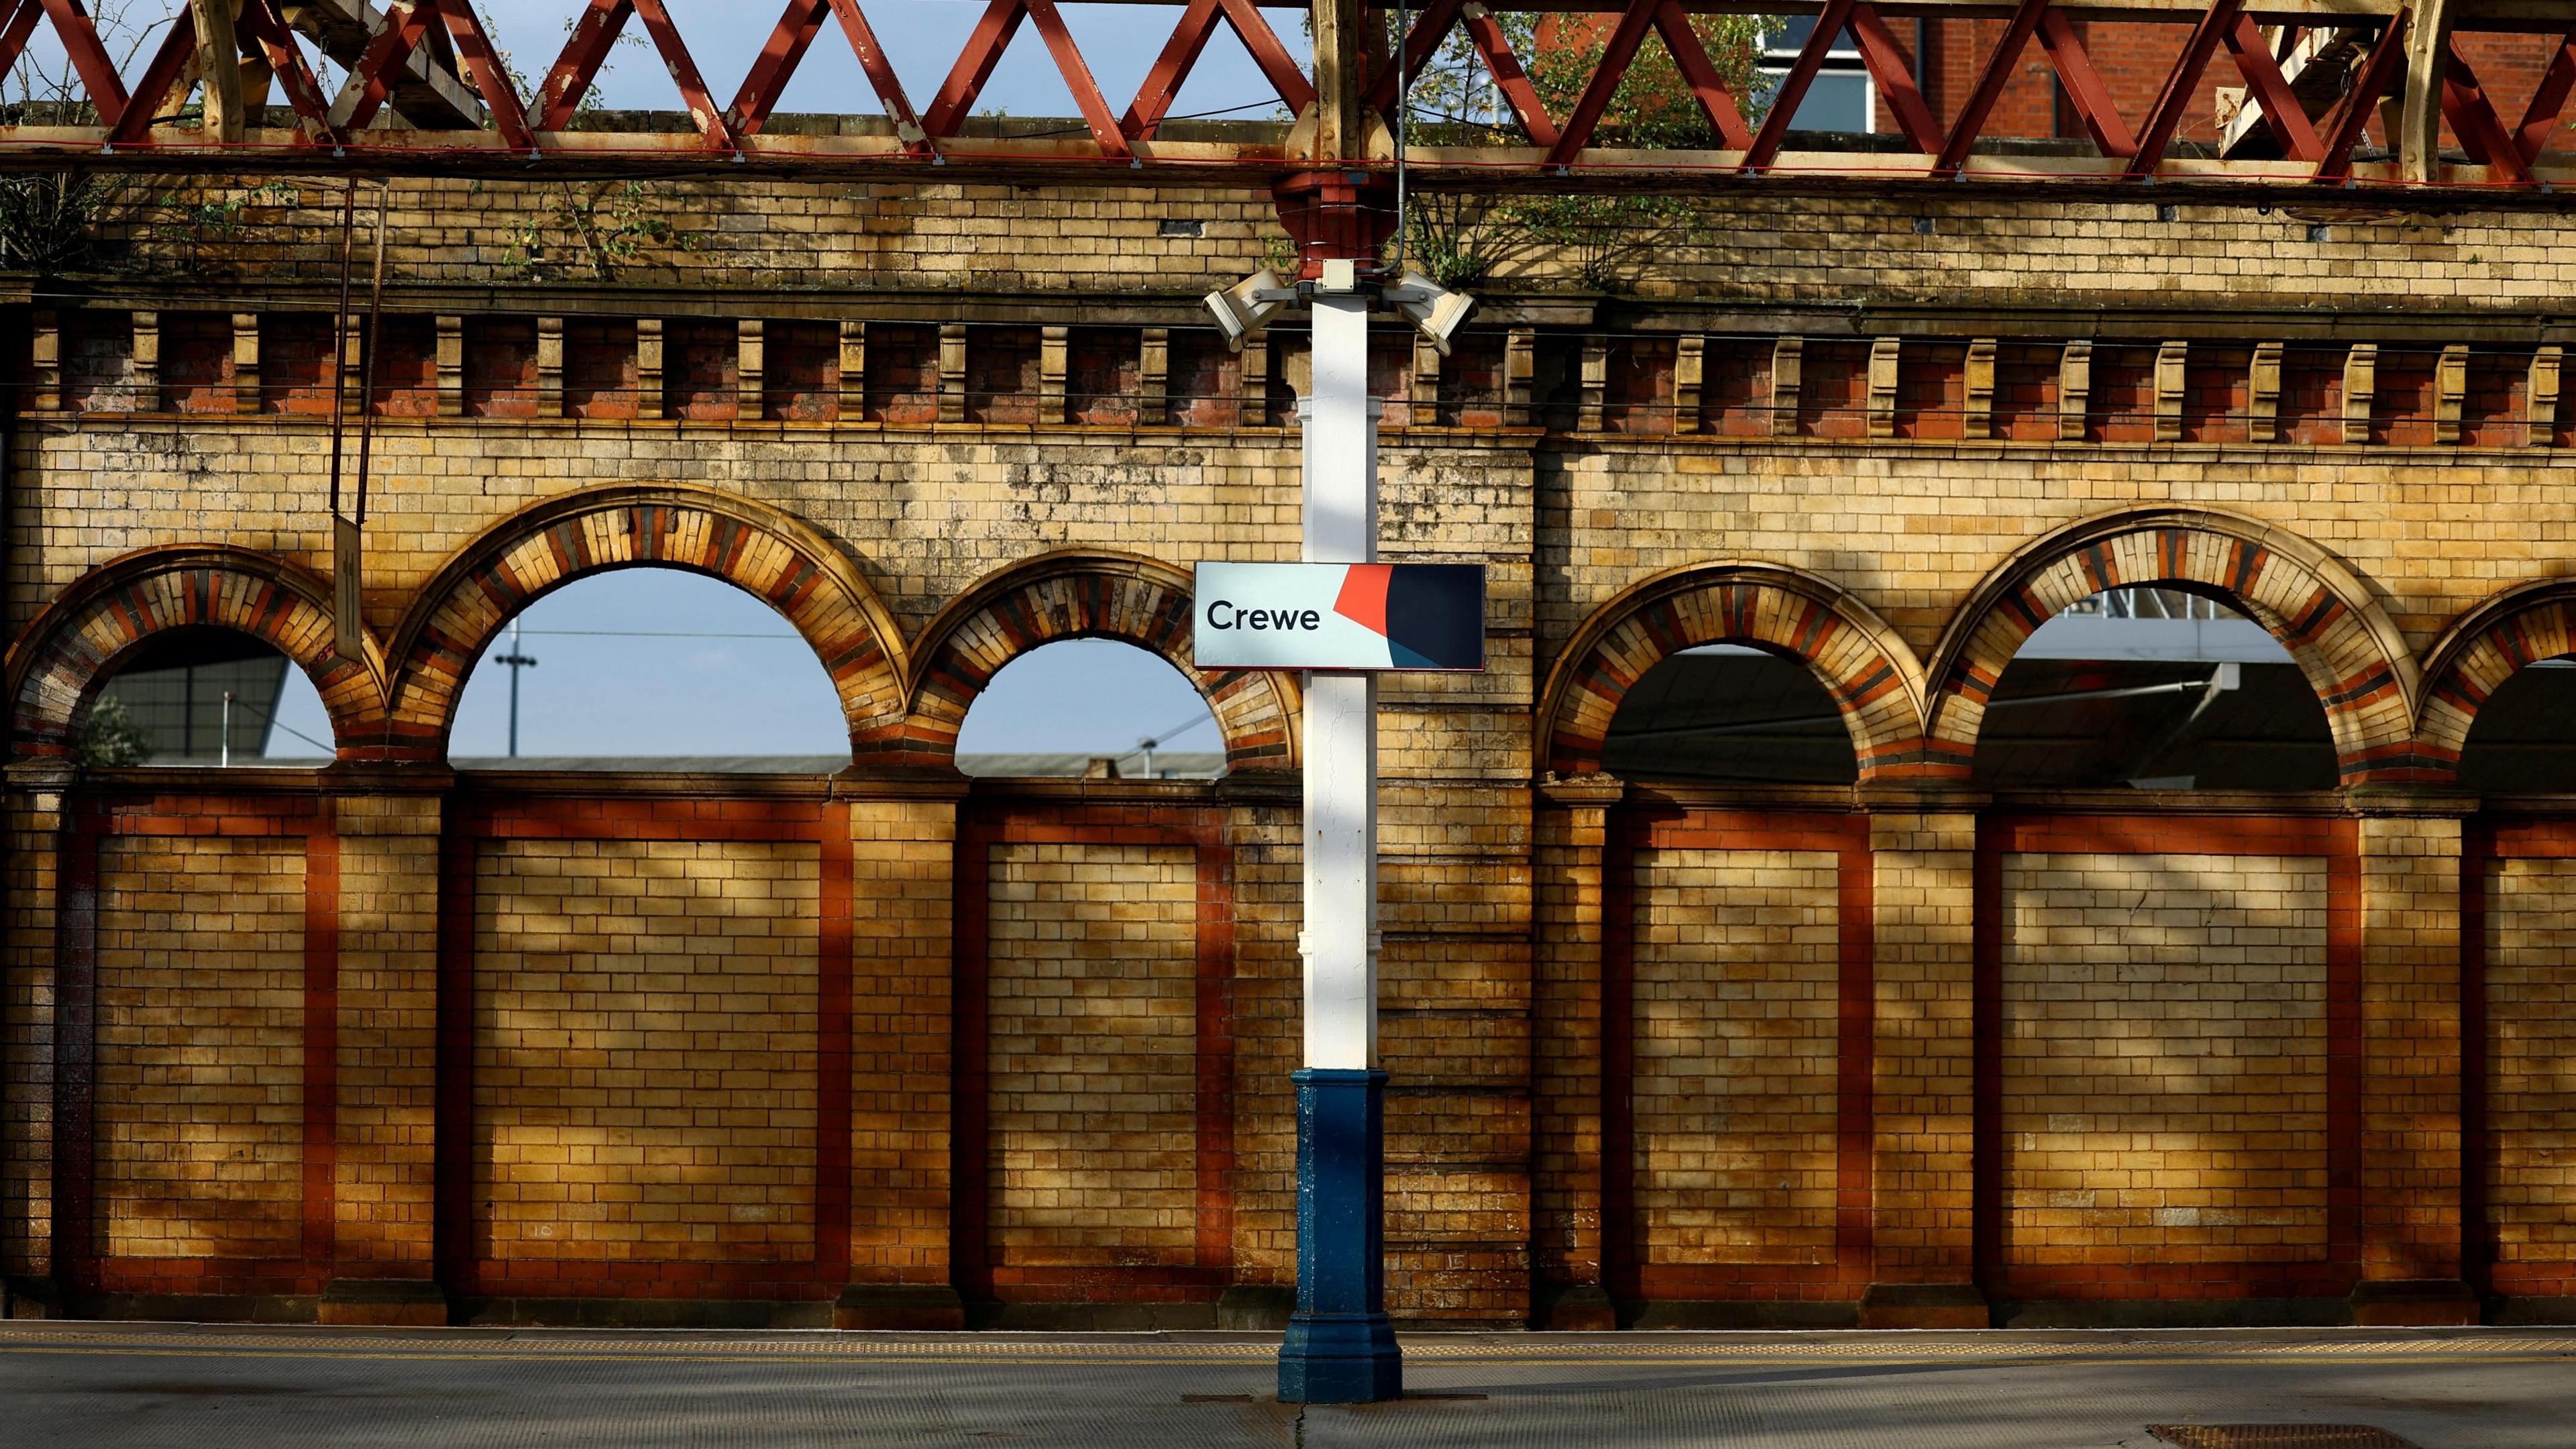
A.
pixel 1340 1347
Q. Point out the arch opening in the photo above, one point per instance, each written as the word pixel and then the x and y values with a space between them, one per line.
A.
pixel 1090 708
pixel 2520 742
pixel 202 695
pixel 1730 714
pixel 650 668
pixel 2159 686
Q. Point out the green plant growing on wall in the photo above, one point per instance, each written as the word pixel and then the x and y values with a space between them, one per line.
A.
pixel 110 738
pixel 605 226
pixel 1464 239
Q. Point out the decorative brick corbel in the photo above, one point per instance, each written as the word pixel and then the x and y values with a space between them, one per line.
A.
pixel 1788 379
pixel 550 367
pixel 246 363
pixel 2541 421
pixel 1690 376
pixel 2173 362
pixel 2450 392
pixel 1977 390
pixel 1054 348
pixel 1252 384
pixel 853 378
pixel 451 366
pixel 2263 395
pixel 1596 383
pixel 2074 390
pixel 1520 375
pixel 1883 357
pixel 750 370
pixel 45 353
pixel 1154 377
pixel 652 400
pixel 147 363
pixel 952 372
pixel 2360 390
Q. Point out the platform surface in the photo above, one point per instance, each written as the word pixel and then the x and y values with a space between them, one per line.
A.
pixel 130 1385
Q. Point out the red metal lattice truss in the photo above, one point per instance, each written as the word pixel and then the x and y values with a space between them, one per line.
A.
pixel 2307 145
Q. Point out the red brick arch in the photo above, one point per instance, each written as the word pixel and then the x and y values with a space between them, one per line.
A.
pixel 1094 594
pixel 80 640
pixel 539 549
pixel 1871 676
pixel 2318 608
pixel 2487 646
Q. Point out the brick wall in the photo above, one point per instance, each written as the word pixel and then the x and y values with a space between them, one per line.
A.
pixel 200 1052
pixel 1092 1074
pixel 2164 1085
pixel 1736 976
pixel 2530 1042
pixel 645 1052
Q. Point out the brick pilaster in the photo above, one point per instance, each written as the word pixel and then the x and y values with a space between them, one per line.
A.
pixel 2411 1187
pixel 1923 853
pixel 1571 838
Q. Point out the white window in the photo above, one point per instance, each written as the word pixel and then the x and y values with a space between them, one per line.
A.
pixel 1841 98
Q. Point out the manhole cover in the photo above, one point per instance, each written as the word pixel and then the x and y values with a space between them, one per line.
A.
pixel 2277 1436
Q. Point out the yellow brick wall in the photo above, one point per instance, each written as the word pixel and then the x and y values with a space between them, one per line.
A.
pixel 2531 1059
pixel 200 1047
pixel 1737 958
pixel 645 1049
pixel 1923 898
pixel 384 1178
pixel 1092 1073
pixel 2164 1066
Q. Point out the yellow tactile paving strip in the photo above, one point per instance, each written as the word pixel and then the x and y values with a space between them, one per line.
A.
pixel 1433 1349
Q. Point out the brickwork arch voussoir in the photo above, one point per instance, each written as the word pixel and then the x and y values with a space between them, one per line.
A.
pixel 2320 610
pixel 1087 594
pixel 794 568
pixel 1863 665
pixel 2511 631
pixel 80 640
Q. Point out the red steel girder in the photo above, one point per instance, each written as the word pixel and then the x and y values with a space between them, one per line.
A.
pixel 406 22
pixel 1510 78
pixel 1793 86
pixel 594 36
pixel 2473 120
pixel 260 22
pixel 409 28
pixel 2206 35
pixel 786 51
pixel 2379 75
pixel 2265 84
pixel 79 37
pixel 17 30
pixel 993 32
pixel 2083 86
pixel 2540 118
pixel 1620 52
pixel 1989 89
pixel 1181 53
pixel 1893 72
pixel 1707 87
pixel 1432 27
pixel 169 63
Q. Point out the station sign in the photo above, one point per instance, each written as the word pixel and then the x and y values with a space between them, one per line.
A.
pixel 1340 617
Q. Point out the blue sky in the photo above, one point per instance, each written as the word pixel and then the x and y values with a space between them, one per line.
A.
pixel 658 662
pixel 757 690
pixel 921 37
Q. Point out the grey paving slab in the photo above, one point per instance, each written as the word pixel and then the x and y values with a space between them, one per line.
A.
pixel 204 1388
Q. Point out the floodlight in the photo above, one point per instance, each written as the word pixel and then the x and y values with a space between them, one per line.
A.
pixel 1246 307
pixel 1431 307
